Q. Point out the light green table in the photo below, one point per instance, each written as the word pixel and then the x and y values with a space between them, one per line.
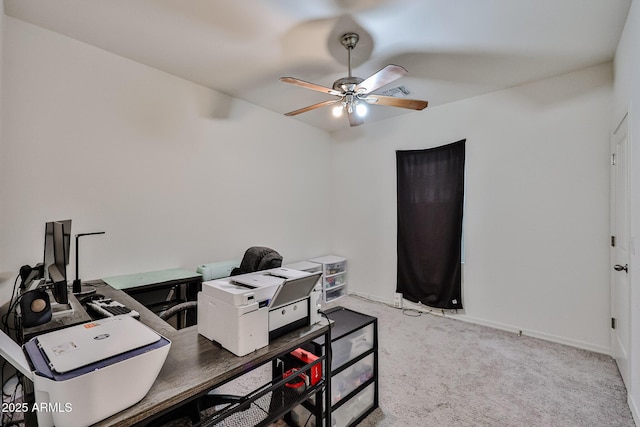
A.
pixel 155 279
pixel 160 290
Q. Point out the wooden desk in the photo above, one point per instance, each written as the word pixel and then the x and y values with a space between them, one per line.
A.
pixel 195 365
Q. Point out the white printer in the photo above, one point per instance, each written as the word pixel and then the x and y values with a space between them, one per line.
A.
pixel 83 374
pixel 243 313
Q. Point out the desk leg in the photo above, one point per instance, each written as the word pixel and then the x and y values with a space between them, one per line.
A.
pixel 189 292
pixel 29 397
pixel 327 389
pixel 177 295
pixel 182 296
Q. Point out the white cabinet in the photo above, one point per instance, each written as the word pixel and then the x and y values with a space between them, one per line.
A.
pixel 334 276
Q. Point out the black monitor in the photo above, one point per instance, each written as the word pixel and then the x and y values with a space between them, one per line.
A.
pixel 57 244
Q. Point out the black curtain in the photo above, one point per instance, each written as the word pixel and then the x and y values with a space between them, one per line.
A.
pixel 430 201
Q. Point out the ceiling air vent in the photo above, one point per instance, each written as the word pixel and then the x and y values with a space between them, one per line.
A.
pixel 397 91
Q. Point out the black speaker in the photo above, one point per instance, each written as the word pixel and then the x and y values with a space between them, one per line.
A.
pixel 35 307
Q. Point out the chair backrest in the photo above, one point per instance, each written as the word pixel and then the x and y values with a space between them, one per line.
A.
pixel 258 258
pixel 189 308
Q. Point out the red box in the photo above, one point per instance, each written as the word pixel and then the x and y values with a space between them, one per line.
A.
pixel 306 357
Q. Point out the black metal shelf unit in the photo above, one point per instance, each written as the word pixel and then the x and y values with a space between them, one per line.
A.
pixel 266 404
pixel 275 399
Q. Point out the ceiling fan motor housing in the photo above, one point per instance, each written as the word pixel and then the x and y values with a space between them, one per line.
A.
pixel 349 40
pixel 347 84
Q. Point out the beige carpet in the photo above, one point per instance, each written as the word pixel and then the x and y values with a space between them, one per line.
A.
pixel 442 372
pixel 438 371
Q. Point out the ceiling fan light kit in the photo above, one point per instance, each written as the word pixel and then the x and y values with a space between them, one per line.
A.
pixel 354 93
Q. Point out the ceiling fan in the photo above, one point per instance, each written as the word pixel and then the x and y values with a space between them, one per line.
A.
pixel 354 93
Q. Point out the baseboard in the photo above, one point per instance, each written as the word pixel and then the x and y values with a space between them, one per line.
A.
pixel 371 297
pixel 460 315
pixel 634 409
pixel 536 334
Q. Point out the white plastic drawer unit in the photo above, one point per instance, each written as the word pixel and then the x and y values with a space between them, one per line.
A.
pixel 334 276
pixel 351 346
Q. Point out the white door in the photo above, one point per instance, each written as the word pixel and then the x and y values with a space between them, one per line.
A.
pixel 620 292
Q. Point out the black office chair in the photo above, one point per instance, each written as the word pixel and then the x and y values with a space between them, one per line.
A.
pixel 194 409
pixel 258 258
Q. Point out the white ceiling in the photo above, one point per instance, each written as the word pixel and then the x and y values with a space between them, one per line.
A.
pixel 453 49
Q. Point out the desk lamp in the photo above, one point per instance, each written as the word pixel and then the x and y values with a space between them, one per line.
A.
pixel 78 288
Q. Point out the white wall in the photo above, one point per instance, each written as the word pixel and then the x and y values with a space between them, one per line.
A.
pixel 537 192
pixel 5 292
pixel 627 99
pixel 176 174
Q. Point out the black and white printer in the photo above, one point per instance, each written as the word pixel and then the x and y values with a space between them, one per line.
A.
pixel 243 313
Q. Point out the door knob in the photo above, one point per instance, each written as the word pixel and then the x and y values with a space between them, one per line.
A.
pixel 619 267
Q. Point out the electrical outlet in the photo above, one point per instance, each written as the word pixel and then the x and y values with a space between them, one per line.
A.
pixel 397 300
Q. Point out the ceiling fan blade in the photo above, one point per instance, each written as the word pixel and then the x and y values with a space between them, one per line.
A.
pixel 382 78
pixel 390 101
pixel 311 86
pixel 354 119
pixel 312 107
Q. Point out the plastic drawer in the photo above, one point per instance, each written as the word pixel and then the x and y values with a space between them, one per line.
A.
pixel 354 408
pixel 336 280
pixel 351 378
pixel 335 268
pixel 344 415
pixel 331 294
pixel 351 346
